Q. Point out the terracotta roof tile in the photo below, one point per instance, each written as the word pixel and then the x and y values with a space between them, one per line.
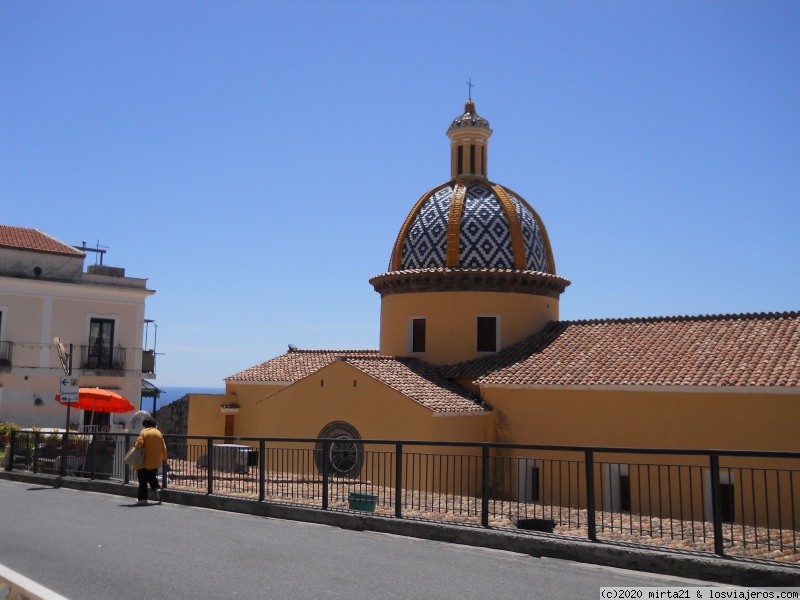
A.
pixel 744 350
pixel 295 364
pixel 417 379
pixel 23 238
pixel 420 381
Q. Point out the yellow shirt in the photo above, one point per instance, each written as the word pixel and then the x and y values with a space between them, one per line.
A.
pixel 155 450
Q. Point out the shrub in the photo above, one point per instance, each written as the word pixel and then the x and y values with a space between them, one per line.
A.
pixel 6 428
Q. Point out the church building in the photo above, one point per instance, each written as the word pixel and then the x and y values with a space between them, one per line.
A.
pixel 472 348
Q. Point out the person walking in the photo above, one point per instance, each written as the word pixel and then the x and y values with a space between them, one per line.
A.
pixel 155 454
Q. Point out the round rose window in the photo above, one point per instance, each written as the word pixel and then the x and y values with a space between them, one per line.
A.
pixel 345 453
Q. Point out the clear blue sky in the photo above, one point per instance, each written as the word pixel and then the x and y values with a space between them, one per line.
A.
pixel 255 160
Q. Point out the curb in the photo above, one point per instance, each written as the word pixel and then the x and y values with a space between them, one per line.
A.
pixel 14 585
pixel 728 570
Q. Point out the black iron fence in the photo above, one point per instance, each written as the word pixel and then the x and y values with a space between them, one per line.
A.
pixel 725 502
pixel 98 455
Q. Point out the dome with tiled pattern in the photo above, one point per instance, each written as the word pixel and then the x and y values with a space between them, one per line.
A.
pixel 470 222
pixel 494 229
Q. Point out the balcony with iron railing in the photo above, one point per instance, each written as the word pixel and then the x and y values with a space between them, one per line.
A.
pixel 149 362
pixel 103 357
pixel 92 358
pixel 5 355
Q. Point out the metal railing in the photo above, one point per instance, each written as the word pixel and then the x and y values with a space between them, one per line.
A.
pixel 97 455
pixel 103 357
pixel 148 361
pixel 727 502
pixel 5 353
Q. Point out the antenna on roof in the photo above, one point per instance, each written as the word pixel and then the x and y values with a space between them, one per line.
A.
pixel 97 250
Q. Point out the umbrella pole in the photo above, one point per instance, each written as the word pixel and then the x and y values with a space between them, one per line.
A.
pixel 91 444
pixel 65 437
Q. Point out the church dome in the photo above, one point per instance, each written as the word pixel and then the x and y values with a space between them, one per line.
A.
pixel 471 270
pixel 472 224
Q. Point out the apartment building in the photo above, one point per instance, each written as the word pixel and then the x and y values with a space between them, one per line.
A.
pixel 98 313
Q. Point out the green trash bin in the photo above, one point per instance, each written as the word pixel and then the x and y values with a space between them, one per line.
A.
pixel 362 501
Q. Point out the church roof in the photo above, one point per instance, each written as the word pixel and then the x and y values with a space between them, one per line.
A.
pixel 419 381
pixel 295 364
pixel 24 238
pixel 718 351
pixel 742 350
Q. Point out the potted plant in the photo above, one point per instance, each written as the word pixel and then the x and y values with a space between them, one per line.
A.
pixel 53 440
pixel 51 447
pixel 105 444
pixel 78 444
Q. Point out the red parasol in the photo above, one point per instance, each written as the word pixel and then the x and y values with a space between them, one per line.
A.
pixel 98 400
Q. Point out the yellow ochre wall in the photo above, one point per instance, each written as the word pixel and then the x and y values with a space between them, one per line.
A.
pixel 451 321
pixel 610 418
pixel 340 392
pixel 687 419
pixel 206 417
pixel 669 419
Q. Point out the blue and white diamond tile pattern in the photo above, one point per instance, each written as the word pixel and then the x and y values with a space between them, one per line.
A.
pixel 485 239
pixel 535 252
pixel 425 246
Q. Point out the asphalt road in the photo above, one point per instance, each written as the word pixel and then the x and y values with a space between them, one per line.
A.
pixel 89 546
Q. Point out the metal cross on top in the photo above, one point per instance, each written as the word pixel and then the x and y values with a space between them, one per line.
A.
pixel 470 85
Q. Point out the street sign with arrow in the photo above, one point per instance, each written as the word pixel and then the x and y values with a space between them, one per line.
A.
pixel 69 389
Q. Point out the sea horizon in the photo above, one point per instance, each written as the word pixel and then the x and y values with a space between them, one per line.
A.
pixel 171 393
